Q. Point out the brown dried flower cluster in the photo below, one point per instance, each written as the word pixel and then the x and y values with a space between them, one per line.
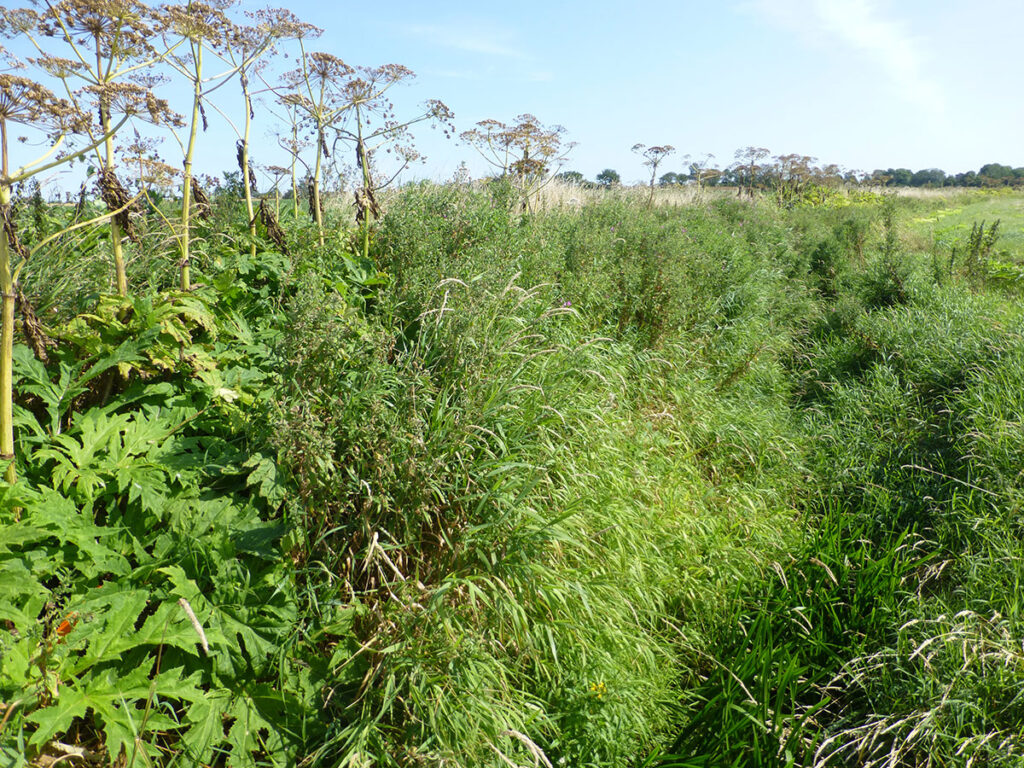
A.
pixel 523 149
pixel 6 215
pixel 314 201
pixel 122 29
pixel 274 231
pixel 132 99
pixel 117 198
pixel 203 208
pixel 27 102
pixel 195 21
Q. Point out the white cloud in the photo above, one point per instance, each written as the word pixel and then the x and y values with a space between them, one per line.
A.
pixel 862 27
pixel 471 39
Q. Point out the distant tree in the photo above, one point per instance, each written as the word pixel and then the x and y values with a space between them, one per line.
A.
pixel 653 157
pixel 928 177
pixel 570 177
pixel 672 179
pixel 878 177
pixel 729 177
pixel 996 173
pixel 609 178
pixel 899 177
pixel 232 187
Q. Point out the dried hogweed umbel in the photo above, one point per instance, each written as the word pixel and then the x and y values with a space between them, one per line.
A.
pixel 117 199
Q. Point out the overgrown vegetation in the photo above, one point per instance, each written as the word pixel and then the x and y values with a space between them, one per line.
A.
pixel 725 482
pixel 466 481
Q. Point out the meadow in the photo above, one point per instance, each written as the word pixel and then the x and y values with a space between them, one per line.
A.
pixel 712 482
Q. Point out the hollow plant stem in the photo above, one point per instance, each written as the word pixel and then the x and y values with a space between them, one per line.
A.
pixel 246 178
pixel 186 194
pixel 7 344
pixel 116 235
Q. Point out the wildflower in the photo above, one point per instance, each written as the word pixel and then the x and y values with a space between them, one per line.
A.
pixel 598 689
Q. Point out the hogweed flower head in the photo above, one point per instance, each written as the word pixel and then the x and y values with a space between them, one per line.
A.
pixel 25 101
pixel 121 29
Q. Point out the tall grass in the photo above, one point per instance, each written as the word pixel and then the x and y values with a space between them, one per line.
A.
pixel 718 484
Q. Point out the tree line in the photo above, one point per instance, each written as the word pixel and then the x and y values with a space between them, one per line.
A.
pixel 757 168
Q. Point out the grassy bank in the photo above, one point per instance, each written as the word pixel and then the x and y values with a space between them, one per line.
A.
pixel 722 481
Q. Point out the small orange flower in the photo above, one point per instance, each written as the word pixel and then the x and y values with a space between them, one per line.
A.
pixel 65 627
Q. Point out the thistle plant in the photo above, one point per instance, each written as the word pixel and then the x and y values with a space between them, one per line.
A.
pixel 653 157
pixel 526 151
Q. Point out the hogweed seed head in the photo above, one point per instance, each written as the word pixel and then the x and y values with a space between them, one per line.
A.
pixel 27 102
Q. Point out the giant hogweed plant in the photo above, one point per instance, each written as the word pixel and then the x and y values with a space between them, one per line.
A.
pixel 246 48
pixel 101 51
pixel 123 550
pixel 314 92
pixel 200 26
pixel 373 125
pixel 526 152
pixel 25 102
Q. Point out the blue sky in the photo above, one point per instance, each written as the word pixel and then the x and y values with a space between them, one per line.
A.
pixel 862 83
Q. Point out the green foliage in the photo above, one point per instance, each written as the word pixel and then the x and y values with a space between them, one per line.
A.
pixel 730 484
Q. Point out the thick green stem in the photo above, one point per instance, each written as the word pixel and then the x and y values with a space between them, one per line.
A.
pixel 367 189
pixel 116 235
pixel 318 209
pixel 295 181
pixel 7 342
pixel 186 193
pixel 246 179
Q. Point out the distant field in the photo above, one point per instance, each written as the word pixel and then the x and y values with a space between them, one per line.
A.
pixel 950 222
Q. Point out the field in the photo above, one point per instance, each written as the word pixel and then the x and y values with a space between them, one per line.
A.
pixel 715 482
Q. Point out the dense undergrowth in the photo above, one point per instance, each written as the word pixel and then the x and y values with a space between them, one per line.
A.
pixel 718 485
